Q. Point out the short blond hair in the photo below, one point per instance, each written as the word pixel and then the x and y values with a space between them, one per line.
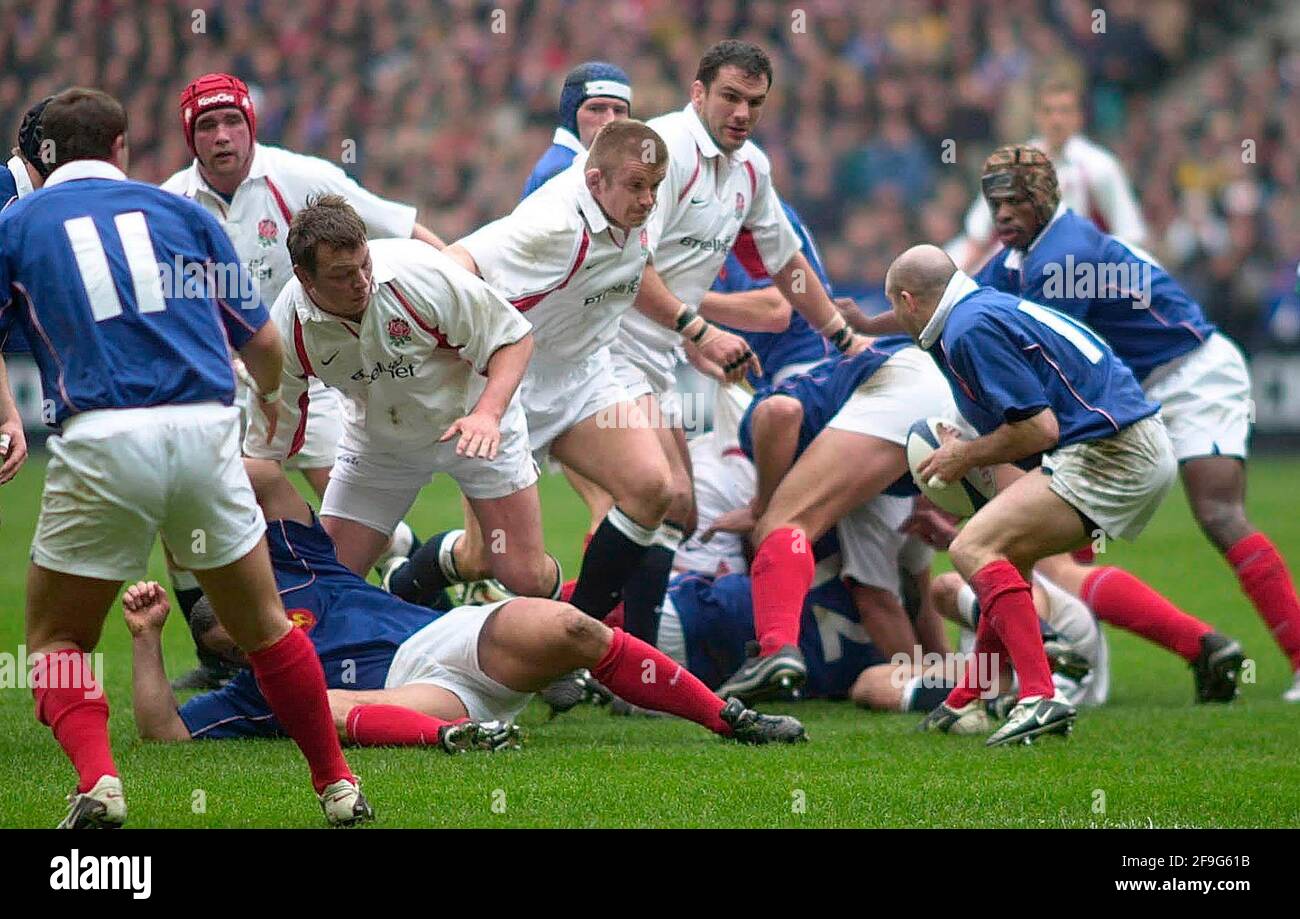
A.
pixel 622 140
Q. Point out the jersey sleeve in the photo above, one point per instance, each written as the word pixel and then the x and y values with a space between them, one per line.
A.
pixel 236 710
pixel 241 309
pixel 475 318
pixel 384 219
pixel 992 363
pixel 291 419
pixel 774 237
pixel 1116 203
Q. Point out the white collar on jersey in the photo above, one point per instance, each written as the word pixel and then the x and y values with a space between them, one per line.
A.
pixel 959 285
pixel 84 169
pixel 564 137
pixel 256 170
pixel 18 169
pixel 700 133
pixel 1016 257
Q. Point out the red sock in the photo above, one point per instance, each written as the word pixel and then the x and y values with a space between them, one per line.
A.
pixel 1265 579
pixel 73 706
pixel 985 659
pixel 780 577
pixel 566 590
pixel 394 726
pixel 1007 601
pixel 1117 597
pixel 645 676
pixel 615 618
pixel 293 684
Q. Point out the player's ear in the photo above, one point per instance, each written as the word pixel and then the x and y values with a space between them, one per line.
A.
pixel 120 154
pixel 698 92
pixel 593 180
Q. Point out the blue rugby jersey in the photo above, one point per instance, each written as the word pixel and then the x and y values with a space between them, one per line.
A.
pixel 1006 359
pixel 1119 290
pixel 717 618
pixel 83 262
pixel 355 627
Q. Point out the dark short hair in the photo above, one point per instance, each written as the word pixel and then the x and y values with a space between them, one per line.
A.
pixel 203 619
pixel 618 141
pixel 749 57
pixel 326 219
pixel 81 124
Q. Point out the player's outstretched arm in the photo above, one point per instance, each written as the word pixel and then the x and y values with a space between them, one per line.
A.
pixel 884 323
pixel 13 441
pixel 762 309
pixel 145 607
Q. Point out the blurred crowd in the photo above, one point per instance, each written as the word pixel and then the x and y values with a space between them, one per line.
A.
pixel 446 104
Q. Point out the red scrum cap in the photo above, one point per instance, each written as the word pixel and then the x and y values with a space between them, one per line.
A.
pixel 211 91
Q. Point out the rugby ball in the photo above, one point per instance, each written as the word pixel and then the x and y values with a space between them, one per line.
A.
pixel 962 498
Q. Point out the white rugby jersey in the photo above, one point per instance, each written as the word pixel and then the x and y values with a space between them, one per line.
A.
pixel 1092 183
pixel 408 368
pixel 559 261
pixel 278 184
pixel 705 203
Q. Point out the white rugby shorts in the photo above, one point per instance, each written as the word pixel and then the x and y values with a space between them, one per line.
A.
pixel 117 478
pixel 445 653
pixel 376 485
pixel 1204 400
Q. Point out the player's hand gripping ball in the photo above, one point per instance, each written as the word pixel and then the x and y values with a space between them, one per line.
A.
pixel 961 498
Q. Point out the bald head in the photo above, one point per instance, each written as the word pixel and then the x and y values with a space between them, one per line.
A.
pixel 915 282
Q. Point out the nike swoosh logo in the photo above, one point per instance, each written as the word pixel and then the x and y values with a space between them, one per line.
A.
pixel 700 201
pixel 1042 717
pixel 331 357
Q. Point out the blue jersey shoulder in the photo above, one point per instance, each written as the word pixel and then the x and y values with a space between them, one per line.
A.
pixel 717 620
pixel 1119 290
pixel 130 295
pixel 1007 359
pixel 554 161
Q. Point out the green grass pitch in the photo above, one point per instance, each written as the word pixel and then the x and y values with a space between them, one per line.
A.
pixel 1149 758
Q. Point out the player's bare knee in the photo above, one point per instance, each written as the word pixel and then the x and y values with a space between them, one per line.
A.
pixel 944 589
pixel 585 637
pixel 879 687
pixel 777 413
pixel 969 554
pixel 648 497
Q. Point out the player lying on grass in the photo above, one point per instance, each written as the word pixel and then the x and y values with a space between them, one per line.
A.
pixel 828 447
pixel 1031 381
pixel 401 674
pixel 1182 361
pixel 428 358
